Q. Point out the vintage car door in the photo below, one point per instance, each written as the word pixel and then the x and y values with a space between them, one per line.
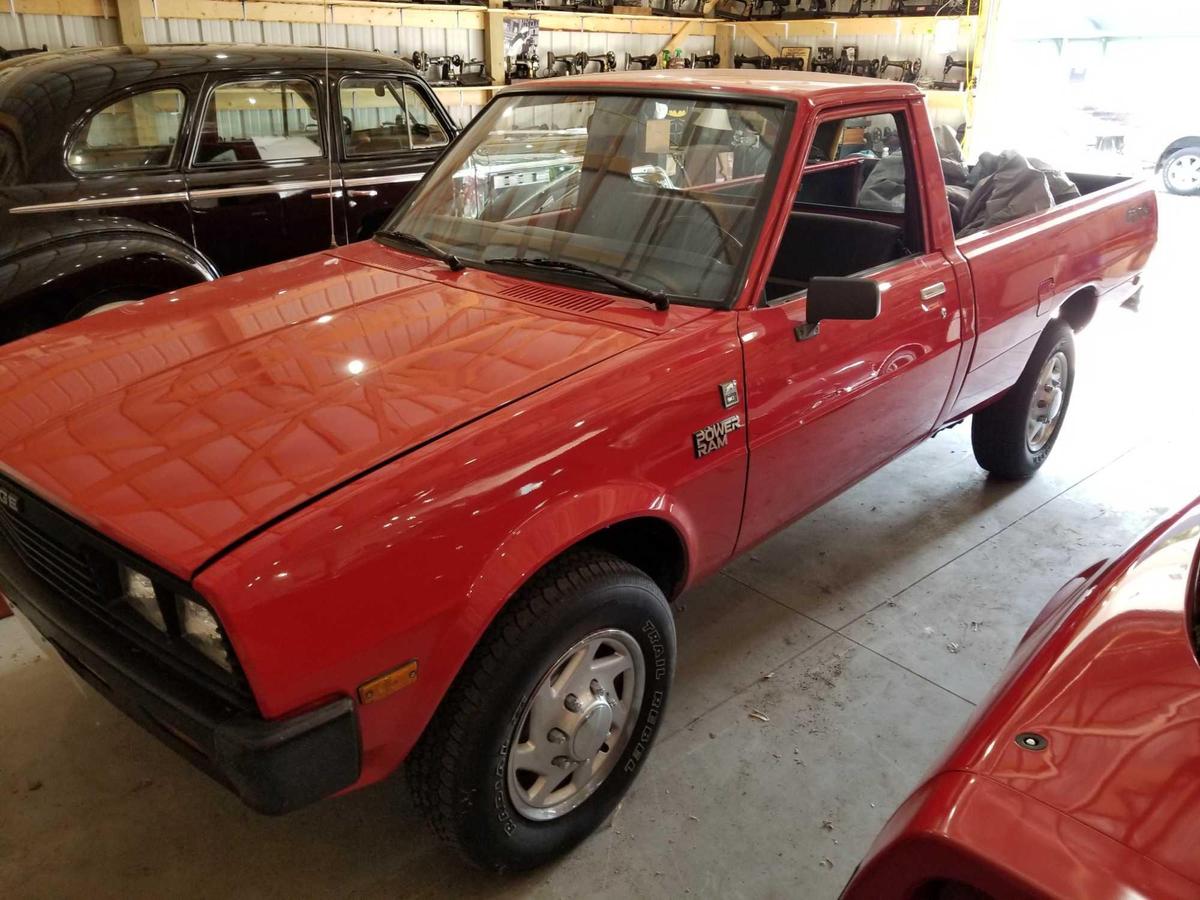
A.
pixel 115 170
pixel 260 175
pixel 392 129
pixel 826 408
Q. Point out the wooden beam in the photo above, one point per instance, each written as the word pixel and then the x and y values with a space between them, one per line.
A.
pixel 723 44
pixel 679 37
pixel 493 44
pixel 129 23
pixel 752 32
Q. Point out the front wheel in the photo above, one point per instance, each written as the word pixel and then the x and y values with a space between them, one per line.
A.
pixel 1014 436
pixel 552 716
pixel 1181 172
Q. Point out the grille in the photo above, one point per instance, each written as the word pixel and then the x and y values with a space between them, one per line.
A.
pixel 66 571
pixel 81 570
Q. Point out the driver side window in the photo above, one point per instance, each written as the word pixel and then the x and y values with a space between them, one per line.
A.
pixel 856 208
pixel 382 116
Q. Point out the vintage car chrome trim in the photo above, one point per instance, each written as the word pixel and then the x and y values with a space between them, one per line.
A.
pixel 98 202
pixel 249 190
pixel 404 178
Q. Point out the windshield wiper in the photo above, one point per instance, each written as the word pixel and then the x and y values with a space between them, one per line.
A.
pixel 658 298
pixel 394 238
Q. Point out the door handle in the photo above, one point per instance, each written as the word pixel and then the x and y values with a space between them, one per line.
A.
pixel 368 193
pixel 326 195
pixel 933 290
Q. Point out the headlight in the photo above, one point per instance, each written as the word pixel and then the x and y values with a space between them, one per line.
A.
pixel 202 630
pixel 139 593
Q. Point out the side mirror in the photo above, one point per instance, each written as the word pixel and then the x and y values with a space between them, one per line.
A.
pixel 838 298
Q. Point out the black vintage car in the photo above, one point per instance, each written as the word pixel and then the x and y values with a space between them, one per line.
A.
pixel 126 173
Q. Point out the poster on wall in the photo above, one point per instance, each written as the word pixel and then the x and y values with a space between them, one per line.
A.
pixel 520 37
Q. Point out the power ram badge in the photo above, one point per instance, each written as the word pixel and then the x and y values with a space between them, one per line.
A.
pixel 715 436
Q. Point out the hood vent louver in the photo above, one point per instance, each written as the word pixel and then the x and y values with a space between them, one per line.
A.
pixel 548 296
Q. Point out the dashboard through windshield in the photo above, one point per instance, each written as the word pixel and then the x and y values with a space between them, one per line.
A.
pixel 661 192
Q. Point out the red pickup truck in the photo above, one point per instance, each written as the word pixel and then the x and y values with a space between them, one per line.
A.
pixel 427 497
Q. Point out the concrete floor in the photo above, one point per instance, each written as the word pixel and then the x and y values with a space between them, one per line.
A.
pixel 865 634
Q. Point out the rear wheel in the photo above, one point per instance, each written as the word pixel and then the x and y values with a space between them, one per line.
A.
pixel 1181 172
pixel 1014 436
pixel 551 717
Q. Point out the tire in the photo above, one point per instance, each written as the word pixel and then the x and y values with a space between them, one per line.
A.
pixel 1006 440
pixel 1181 172
pixel 466 774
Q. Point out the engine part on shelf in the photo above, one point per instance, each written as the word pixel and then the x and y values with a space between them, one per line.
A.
pixel 867 68
pixel 705 60
pixel 521 67
pixel 794 63
pixel 473 73
pixel 909 68
pixel 824 61
pixel 20 51
pixel 947 83
pixel 952 64
pixel 736 10
pixel 802 9
pixel 437 70
pixel 562 65
pixel 596 6
pixel 751 62
pixel 577 63
pixel 606 61
pixel 690 9
pixel 649 61
pixel 926 8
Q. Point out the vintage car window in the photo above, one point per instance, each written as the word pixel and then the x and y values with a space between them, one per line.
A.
pixel 260 121
pixel 383 116
pixel 140 131
pixel 427 131
pixel 664 192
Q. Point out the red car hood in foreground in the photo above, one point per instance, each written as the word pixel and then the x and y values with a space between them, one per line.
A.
pixel 1080 775
pixel 179 425
pixel 1111 681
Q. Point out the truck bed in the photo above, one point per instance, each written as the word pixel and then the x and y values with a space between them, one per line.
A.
pixel 1084 252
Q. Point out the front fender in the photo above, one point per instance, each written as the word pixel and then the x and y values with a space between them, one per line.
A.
pixel 554 529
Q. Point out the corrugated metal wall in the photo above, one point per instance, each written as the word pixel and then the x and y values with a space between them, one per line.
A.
pixel 78 31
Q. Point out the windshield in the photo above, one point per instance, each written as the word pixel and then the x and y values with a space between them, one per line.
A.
pixel 661 192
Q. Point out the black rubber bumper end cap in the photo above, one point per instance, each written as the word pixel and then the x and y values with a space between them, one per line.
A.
pixel 279 767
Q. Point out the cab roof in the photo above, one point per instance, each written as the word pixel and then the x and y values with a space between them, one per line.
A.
pixel 818 88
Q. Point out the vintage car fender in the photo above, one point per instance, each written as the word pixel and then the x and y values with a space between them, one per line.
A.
pixel 42 283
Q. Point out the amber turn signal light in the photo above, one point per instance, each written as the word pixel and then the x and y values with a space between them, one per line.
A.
pixel 388 684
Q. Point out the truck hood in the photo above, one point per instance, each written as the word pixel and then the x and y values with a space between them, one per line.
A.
pixel 1113 685
pixel 180 424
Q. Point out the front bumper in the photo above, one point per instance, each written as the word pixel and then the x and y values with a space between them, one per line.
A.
pixel 274 766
